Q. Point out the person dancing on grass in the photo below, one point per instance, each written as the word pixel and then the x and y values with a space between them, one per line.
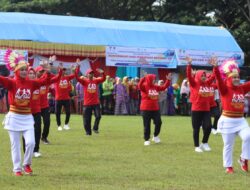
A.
pixel 150 106
pixel 200 98
pixel 44 103
pixel 19 120
pixel 36 106
pixel 91 100
pixel 63 99
pixel 232 121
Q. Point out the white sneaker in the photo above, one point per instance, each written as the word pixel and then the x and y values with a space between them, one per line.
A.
pixel 146 143
pixel 37 154
pixel 205 147
pixel 59 128
pixel 66 127
pixel 198 149
pixel 156 139
pixel 214 131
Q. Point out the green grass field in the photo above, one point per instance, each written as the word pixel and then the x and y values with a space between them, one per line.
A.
pixel 117 159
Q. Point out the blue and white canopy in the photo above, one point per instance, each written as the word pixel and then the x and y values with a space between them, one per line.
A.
pixel 93 31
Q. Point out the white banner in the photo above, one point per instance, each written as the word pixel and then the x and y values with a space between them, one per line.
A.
pixel 140 57
pixel 201 58
pixel 2 54
pixel 84 64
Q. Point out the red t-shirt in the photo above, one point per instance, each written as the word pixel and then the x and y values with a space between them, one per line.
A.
pixel 232 97
pixel 199 91
pixel 90 89
pixel 45 89
pixel 62 87
pixel 35 102
pixel 20 92
pixel 150 93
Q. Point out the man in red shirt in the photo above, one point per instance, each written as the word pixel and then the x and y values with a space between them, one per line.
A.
pixel 91 99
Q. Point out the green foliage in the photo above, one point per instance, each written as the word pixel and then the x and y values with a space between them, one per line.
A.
pixel 232 14
pixel 116 159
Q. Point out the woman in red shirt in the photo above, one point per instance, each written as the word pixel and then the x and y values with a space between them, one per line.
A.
pixel 200 98
pixel 149 105
pixel 19 120
pixel 232 121
pixel 62 97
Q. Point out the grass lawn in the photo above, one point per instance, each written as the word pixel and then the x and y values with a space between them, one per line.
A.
pixel 117 159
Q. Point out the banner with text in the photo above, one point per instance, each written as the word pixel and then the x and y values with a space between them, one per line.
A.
pixel 201 58
pixel 140 57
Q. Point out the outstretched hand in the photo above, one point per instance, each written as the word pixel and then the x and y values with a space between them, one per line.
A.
pixel 77 61
pixel 60 66
pixel 213 61
pixel 52 58
pixel 189 60
pixel 100 70
pixel 46 66
pixel 169 76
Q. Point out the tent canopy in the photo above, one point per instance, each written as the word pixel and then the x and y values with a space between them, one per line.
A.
pixel 100 32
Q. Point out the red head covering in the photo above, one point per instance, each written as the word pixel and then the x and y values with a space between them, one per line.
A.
pixel 89 71
pixel 39 68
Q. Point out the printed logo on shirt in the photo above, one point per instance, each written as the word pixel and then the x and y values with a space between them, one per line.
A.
pixel 238 101
pixel 211 89
pixel 91 88
pixel 63 84
pixel 36 94
pixel 22 97
pixel 153 94
pixel 43 89
pixel 204 91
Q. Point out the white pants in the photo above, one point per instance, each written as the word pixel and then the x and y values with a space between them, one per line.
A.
pixel 228 140
pixel 29 137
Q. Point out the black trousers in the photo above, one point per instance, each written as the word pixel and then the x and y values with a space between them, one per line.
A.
pixel 59 105
pixel 201 118
pixel 37 128
pixel 45 113
pixel 156 117
pixel 107 103
pixel 215 113
pixel 88 115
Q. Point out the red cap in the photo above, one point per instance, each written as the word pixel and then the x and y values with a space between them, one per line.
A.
pixel 89 71
pixel 39 68
pixel 31 69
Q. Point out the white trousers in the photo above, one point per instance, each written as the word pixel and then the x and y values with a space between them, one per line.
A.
pixel 15 141
pixel 228 140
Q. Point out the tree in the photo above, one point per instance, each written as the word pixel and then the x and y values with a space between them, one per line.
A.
pixel 234 15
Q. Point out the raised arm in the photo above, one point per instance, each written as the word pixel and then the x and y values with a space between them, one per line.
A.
pixel 56 77
pixel 166 84
pixel 219 81
pixel 189 72
pixel 70 77
pixel 81 80
pixel 102 78
pixel 141 85
pixel 7 82
pixel 37 83
pixel 246 87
